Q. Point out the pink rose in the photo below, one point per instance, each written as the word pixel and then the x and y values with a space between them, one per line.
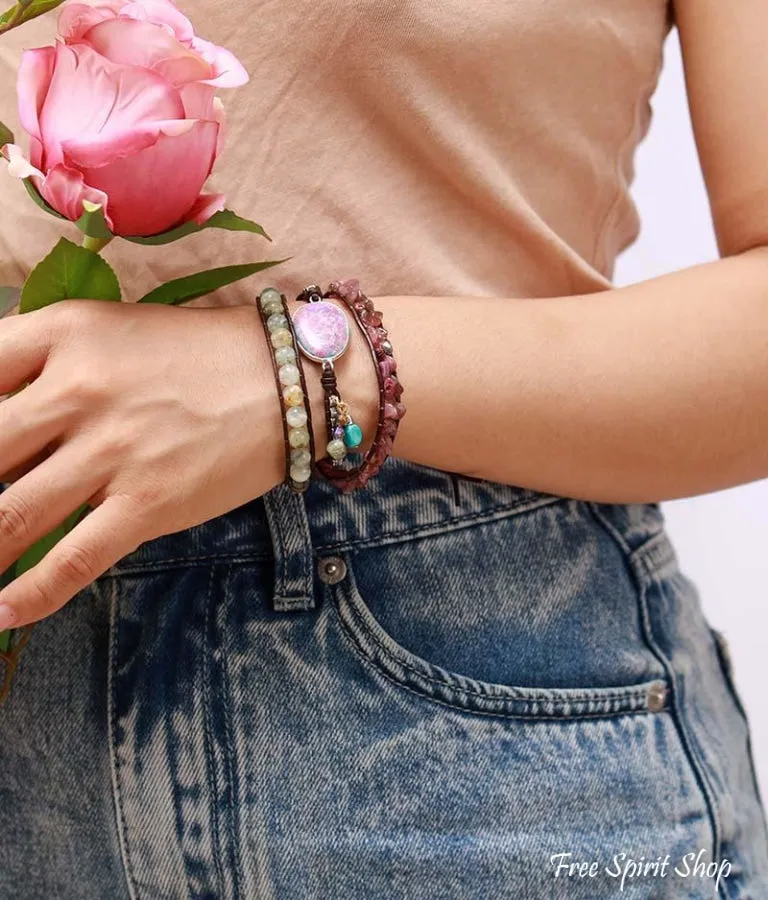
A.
pixel 153 34
pixel 123 114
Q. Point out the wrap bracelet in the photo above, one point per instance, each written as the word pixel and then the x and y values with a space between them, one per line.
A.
pixel 391 408
pixel 291 387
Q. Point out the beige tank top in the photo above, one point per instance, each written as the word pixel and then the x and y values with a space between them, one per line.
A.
pixel 425 146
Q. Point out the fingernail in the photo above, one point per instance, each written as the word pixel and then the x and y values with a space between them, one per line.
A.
pixel 7 617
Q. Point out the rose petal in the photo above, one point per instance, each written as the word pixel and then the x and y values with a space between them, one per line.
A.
pixel 36 152
pixel 131 42
pixel 228 71
pixel 204 207
pixel 95 151
pixel 200 103
pixel 160 12
pixel 75 19
pixel 89 95
pixel 35 73
pixel 219 115
pixel 18 164
pixel 155 189
pixel 198 100
pixel 65 189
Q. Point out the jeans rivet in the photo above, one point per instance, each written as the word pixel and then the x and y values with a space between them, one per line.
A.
pixel 657 697
pixel 332 569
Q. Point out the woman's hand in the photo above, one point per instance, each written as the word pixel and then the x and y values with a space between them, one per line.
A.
pixel 159 418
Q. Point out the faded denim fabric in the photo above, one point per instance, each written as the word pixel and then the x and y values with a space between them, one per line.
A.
pixel 495 677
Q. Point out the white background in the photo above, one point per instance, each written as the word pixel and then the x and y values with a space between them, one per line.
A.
pixel 721 538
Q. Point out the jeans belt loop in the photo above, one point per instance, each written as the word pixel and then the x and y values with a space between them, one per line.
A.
pixel 292 547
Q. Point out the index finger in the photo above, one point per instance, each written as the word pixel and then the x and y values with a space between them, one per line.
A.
pixel 25 342
pixel 103 537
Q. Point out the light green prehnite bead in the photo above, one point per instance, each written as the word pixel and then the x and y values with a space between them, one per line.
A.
pixel 289 374
pixel 272 309
pixel 301 457
pixel 270 295
pixel 298 437
pixel 336 449
pixel 281 338
pixel 296 416
pixel 301 473
pixel 275 321
pixel 285 355
pixel 293 395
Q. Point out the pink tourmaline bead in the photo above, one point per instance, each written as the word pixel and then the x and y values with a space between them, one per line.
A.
pixel 390 411
pixel 400 407
pixel 348 290
pixel 388 366
pixel 391 385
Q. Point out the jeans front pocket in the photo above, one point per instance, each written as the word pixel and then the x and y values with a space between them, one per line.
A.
pixel 529 616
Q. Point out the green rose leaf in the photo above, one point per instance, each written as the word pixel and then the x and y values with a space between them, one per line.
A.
pixel 32 557
pixel 69 272
pixel 9 297
pixel 225 219
pixel 190 287
pixel 39 549
pixel 6 135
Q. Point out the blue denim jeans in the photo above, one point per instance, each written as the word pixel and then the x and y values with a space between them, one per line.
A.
pixel 435 688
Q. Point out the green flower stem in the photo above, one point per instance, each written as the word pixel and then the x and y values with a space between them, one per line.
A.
pixel 15 15
pixel 95 244
pixel 25 11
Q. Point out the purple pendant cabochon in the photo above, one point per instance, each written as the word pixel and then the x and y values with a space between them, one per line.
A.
pixel 322 330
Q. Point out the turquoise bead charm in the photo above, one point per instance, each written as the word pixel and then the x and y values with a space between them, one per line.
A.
pixel 353 435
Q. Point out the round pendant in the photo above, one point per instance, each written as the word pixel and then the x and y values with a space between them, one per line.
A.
pixel 322 330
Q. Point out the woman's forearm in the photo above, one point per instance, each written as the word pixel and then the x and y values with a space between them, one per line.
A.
pixel 643 393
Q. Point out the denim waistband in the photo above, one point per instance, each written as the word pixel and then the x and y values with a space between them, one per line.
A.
pixel 404 500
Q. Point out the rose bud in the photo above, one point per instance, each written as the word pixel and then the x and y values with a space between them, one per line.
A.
pixel 123 114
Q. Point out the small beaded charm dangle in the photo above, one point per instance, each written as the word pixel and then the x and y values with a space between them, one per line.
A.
pixel 322 335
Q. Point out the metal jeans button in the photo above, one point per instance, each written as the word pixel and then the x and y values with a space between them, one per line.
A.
pixel 657 697
pixel 331 569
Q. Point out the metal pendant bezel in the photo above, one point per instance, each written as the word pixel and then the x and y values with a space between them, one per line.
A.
pixel 323 359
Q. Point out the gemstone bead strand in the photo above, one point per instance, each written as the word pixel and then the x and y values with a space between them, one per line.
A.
pixel 291 388
pixel 391 407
